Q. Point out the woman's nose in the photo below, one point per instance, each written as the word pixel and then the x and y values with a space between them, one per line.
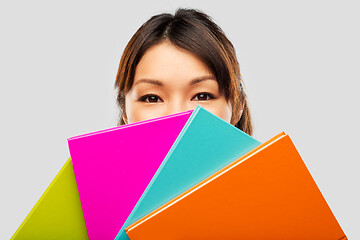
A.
pixel 177 107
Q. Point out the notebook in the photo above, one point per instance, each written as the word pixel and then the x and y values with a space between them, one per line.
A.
pixel 266 194
pixel 57 214
pixel 113 167
pixel 205 145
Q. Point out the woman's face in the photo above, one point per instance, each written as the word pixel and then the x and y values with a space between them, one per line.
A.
pixel 170 80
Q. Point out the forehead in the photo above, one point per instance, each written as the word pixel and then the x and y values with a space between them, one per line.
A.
pixel 166 62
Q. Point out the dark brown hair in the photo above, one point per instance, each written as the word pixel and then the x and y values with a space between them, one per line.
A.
pixel 195 32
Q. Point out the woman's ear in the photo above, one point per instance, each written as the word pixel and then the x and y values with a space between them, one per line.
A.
pixel 235 119
pixel 241 110
pixel 124 117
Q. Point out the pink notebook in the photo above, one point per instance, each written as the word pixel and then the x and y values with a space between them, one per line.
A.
pixel 113 167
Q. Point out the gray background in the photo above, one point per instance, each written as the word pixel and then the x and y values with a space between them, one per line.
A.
pixel 299 60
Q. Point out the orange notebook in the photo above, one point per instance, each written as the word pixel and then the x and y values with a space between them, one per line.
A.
pixel 266 194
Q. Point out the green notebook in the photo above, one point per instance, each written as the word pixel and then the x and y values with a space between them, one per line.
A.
pixel 58 213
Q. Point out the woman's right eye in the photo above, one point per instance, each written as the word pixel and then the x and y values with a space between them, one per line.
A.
pixel 150 98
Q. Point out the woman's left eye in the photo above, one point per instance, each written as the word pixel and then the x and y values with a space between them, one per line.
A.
pixel 203 96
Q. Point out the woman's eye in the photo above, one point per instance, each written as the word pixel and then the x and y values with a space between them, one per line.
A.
pixel 203 97
pixel 150 98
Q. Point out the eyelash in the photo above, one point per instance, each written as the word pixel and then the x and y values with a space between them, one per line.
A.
pixel 146 97
pixel 208 95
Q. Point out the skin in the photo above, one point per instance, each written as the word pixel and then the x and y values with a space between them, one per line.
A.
pixel 170 80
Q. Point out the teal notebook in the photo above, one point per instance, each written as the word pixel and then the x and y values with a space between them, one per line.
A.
pixel 193 157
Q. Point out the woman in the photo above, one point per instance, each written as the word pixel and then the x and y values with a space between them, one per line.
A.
pixel 175 62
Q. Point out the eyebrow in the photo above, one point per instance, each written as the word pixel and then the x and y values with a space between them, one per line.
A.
pixel 201 79
pixel 192 82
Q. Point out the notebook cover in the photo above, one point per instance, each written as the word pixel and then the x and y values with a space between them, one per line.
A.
pixel 266 194
pixel 113 167
pixel 205 145
pixel 57 214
